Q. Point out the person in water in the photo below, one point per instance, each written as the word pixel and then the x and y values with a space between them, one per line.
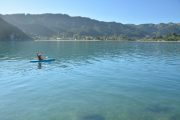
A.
pixel 39 56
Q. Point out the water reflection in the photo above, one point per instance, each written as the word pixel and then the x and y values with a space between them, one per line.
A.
pixel 39 65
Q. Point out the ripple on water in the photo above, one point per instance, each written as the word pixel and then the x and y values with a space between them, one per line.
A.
pixel 120 80
pixel 159 108
pixel 93 117
pixel 175 117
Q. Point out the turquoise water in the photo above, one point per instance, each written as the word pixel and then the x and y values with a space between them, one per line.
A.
pixel 90 81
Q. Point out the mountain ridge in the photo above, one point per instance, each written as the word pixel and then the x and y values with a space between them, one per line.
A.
pixel 64 26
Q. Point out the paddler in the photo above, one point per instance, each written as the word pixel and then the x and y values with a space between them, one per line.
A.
pixel 39 56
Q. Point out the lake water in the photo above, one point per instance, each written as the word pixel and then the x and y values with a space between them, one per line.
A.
pixel 90 81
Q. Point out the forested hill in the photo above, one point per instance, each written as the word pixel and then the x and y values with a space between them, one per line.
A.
pixel 10 32
pixel 64 26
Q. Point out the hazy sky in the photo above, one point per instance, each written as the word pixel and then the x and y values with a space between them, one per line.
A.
pixel 124 11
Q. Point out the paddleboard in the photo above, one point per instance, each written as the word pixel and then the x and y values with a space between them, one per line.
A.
pixel 46 60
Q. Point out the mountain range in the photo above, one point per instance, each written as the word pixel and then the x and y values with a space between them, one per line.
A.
pixel 48 26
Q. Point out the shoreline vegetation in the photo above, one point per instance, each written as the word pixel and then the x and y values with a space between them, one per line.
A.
pixel 98 40
pixel 166 38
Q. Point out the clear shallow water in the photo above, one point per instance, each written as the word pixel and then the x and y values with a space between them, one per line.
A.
pixel 90 81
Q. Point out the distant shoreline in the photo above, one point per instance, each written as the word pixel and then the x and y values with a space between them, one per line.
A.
pixel 97 40
pixel 66 40
pixel 157 41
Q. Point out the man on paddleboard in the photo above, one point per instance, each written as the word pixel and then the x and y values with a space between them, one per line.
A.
pixel 39 56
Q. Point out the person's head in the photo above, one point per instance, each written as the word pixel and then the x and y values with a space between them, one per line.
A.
pixel 39 53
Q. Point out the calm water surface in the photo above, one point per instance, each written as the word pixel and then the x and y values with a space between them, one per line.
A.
pixel 90 81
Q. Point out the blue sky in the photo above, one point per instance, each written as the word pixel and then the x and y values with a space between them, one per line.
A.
pixel 124 11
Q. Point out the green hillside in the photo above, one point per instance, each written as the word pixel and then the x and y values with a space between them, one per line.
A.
pixel 65 26
pixel 10 32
